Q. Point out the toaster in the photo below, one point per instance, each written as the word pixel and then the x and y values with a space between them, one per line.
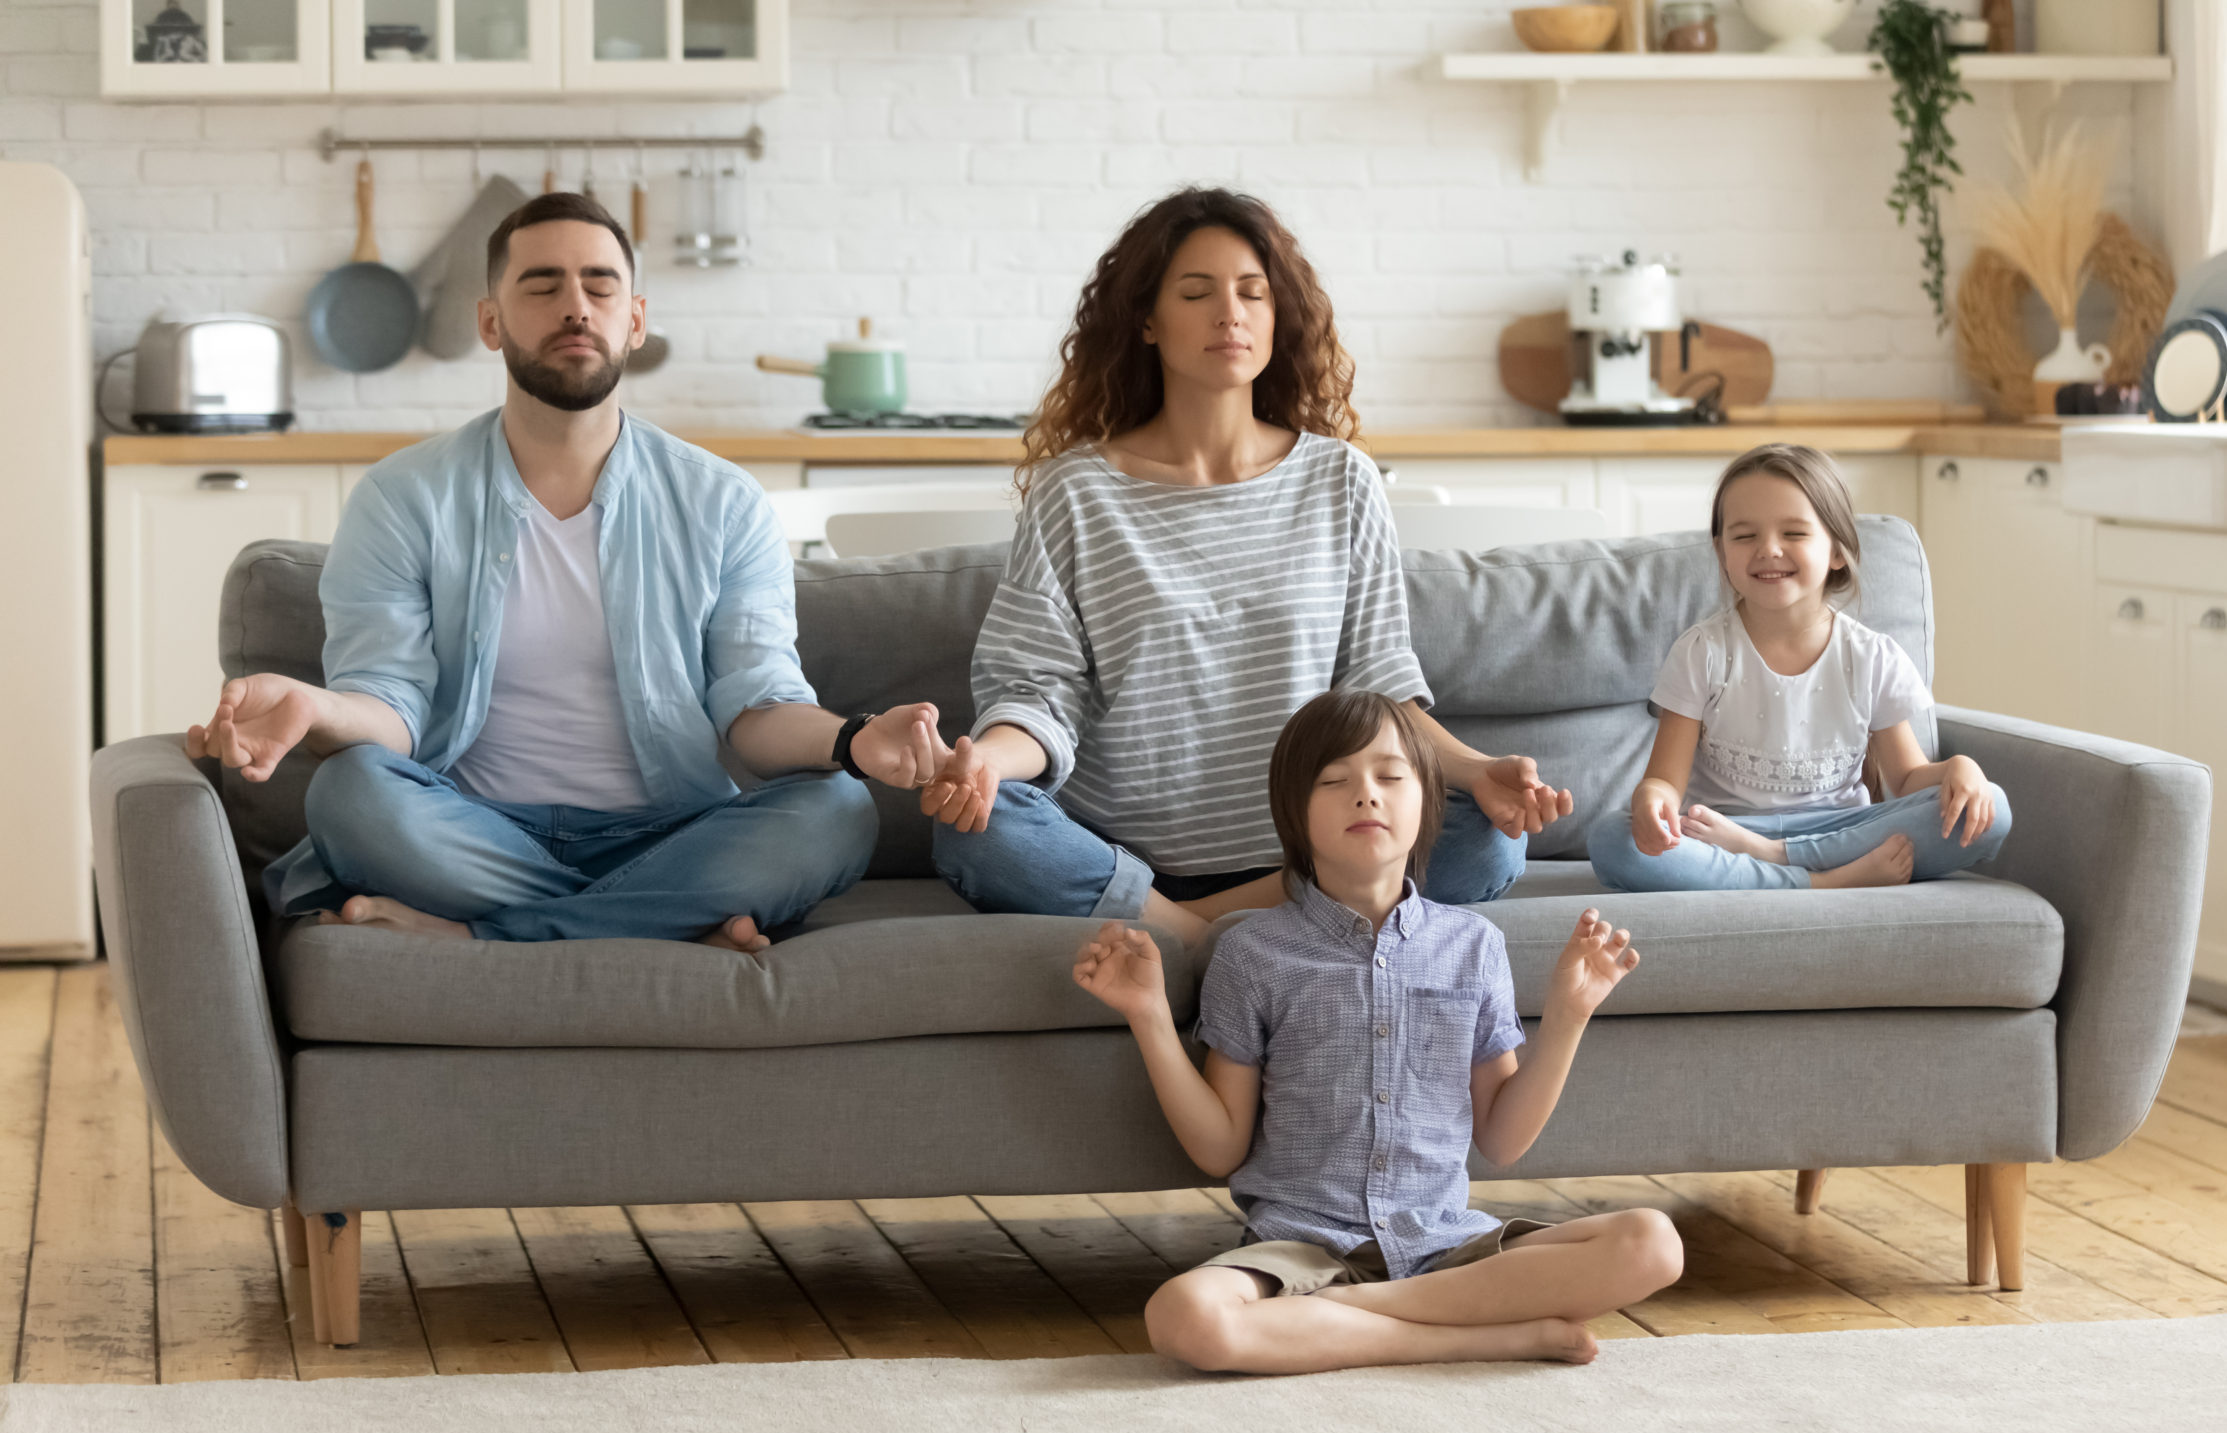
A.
pixel 226 373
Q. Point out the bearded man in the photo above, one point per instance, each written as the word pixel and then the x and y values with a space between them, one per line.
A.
pixel 539 629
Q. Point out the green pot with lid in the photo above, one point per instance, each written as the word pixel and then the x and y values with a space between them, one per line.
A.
pixel 859 375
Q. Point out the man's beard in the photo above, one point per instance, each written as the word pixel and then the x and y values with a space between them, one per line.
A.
pixel 570 390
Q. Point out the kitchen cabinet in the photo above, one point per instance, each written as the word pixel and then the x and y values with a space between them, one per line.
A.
pixel 261 49
pixel 2200 631
pixel 2011 587
pixel 414 47
pixel 169 536
pixel 2131 661
pixel 1509 482
pixel 251 49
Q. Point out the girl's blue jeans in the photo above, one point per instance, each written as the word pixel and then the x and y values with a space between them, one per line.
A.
pixel 1035 859
pixel 1815 841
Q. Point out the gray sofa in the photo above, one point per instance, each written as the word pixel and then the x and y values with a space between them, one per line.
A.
pixel 899 1044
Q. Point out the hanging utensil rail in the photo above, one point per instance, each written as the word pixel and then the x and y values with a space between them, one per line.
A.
pixel 753 143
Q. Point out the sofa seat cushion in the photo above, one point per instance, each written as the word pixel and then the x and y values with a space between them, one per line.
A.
pixel 906 957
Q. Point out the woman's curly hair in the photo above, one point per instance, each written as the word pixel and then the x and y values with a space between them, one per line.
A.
pixel 1109 379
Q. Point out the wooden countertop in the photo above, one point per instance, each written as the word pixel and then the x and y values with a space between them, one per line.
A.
pixel 1972 440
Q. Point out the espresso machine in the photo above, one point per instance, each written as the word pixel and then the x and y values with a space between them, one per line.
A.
pixel 1615 307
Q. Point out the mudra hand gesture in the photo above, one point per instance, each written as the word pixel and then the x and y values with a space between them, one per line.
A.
pixel 1121 966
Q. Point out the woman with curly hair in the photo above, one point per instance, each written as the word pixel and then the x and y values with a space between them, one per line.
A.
pixel 1200 551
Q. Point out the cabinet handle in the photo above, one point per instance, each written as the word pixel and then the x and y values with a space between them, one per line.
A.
pixel 222 482
pixel 1948 473
pixel 2132 609
pixel 2038 478
pixel 2214 620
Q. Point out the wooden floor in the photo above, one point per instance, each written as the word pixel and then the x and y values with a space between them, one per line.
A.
pixel 118 1266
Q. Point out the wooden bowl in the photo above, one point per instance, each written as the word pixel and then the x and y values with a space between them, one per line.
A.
pixel 1566 29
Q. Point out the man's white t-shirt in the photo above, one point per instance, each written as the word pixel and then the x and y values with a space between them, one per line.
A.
pixel 555 732
pixel 1778 743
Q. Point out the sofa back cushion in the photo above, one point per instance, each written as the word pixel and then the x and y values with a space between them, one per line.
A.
pixel 1548 651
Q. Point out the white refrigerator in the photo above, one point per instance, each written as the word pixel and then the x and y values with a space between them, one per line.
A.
pixel 46 578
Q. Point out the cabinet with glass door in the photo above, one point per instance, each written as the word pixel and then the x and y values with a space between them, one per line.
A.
pixel 667 47
pixel 249 48
pixel 404 47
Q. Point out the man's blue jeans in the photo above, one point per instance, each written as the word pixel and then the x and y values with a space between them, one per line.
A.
pixel 1035 859
pixel 1815 841
pixel 384 825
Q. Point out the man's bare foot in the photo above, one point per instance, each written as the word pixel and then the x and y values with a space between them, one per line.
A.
pixel 1719 830
pixel 739 934
pixel 386 913
pixel 1563 1340
pixel 1887 865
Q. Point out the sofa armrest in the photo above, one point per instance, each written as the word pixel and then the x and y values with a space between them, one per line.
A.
pixel 188 972
pixel 2113 835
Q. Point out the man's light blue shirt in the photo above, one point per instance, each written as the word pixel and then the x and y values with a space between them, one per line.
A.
pixel 698 598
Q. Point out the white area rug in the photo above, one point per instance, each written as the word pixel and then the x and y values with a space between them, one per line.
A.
pixel 2151 1376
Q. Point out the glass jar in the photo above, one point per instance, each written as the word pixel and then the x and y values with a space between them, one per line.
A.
pixel 1689 27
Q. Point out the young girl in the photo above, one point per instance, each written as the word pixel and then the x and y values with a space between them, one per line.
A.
pixel 1201 549
pixel 1373 1034
pixel 1769 709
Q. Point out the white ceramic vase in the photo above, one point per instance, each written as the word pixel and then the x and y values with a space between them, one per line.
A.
pixel 1798 27
pixel 2069 364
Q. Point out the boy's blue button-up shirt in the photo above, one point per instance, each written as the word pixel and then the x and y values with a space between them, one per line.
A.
pixel 1365 1041
pixel 698 598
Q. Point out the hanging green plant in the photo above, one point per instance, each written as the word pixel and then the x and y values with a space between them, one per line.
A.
pixel 1912 41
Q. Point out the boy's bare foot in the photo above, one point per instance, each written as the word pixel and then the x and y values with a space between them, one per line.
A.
pixel 1886 865
pixel 1562 1340
pixel 386 913
pixel 1726 834
pixel 739 934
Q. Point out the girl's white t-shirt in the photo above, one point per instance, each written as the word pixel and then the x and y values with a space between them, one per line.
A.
pixel 1777 743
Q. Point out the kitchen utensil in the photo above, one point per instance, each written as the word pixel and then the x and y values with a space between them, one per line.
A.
pixel 1856 411
pixel 363 316
pixel 1565 29
pixel 1617 305
pixel 223 373
pixel 1536 362
pixel 2186 379
pixel 861 375
pixel 455 274
pixel 1798 27
pixel 656 347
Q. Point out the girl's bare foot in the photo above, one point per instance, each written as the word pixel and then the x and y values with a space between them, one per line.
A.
pixel 1886 865
pixel 740 934
pixel 1719 830
pixel 386 913
pixel 1562 1340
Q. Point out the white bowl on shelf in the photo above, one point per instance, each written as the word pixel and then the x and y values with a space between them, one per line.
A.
pixel 1798 27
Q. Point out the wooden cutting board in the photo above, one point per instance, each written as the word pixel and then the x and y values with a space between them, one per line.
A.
pixel 1536 360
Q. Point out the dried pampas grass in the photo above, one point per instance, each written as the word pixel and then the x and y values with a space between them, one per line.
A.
pixel 2049 229
pixel 1991 332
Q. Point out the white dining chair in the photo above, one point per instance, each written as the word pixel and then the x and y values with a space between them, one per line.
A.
pixel 1478 527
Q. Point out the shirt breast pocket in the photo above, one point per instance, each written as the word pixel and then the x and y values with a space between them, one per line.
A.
pixel 1441 1036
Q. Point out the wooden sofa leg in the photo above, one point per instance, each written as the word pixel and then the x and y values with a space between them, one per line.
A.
pixel 2006 1208
pixel 335 1275
pixel 297 1239
pixel 1979 1233
pixel 1809 1186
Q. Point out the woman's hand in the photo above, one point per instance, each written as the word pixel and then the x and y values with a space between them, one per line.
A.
pixel 1589 967
pixel 900 747
pixel 963 789
pixel 1121 966
pixel 1515 800
pixel 1655 823
pixel 1965 793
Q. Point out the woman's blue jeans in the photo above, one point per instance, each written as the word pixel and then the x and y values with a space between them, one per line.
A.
pixel 384 825
pixel 1035 859
pixel 1815 841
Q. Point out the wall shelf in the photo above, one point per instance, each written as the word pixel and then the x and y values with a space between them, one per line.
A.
pixel 2039 79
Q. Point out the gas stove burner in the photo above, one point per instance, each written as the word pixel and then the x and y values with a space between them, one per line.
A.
pixel 957 422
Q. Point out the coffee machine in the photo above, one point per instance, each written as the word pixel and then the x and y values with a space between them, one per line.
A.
pixel 1615 306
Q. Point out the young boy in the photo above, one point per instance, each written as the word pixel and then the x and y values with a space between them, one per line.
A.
pixel 1374 1034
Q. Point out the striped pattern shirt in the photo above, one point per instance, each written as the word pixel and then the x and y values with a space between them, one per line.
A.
pixel 1155 638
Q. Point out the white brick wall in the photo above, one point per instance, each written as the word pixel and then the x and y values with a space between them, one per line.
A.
pixel 952 168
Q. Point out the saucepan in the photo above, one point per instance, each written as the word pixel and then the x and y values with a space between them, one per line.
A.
pixel 860 375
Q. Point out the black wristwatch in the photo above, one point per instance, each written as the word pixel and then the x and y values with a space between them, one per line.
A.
pixel 842 753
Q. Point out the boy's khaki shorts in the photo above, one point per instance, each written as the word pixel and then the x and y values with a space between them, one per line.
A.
pixel 1295 1266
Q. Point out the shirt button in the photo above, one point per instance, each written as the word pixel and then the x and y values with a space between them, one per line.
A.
pixel 502 557
pixel 1384 1097
pixel 1383 1223
pixel 475 636
pixel 1378 1161
pixel 1382 1031
pixel 1380 962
